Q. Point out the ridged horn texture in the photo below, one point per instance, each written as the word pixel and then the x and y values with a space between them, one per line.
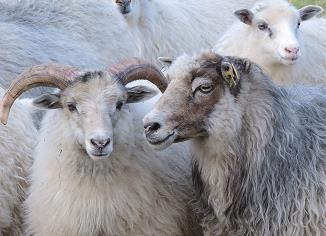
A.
pixel 137 69
pixel 50 75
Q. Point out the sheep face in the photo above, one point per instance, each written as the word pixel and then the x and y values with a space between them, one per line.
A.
pixel 200 87
pixel 275 28
pixel 94 108
pixel 124 6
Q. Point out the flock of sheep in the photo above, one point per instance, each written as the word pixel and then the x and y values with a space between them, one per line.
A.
pixel 218 142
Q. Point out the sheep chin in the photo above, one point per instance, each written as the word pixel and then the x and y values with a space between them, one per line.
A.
pixel 96 156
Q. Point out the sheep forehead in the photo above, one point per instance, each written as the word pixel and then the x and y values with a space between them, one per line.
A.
pixel 276 13
pixel 186 66
pixel 264 4
pixel 181 67
pixel 96 90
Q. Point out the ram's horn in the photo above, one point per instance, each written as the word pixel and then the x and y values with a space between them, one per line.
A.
pixel 50 75
pixel 138 69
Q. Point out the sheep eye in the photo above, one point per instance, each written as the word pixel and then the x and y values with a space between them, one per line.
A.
pixel 298 25
pixel 262 26
pixel 206 88
pixel 71 107
pixel 119 105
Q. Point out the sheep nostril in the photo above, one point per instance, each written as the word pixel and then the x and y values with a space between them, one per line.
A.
pixel 107 142
pixel 100 143
pixel 151 127
pixel 291 50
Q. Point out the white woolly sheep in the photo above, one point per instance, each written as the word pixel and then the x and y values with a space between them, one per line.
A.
pixel 173 27
pixel 92 173
pixel 259 149
pixel 270 34
pixel 78 33
pixel 16 145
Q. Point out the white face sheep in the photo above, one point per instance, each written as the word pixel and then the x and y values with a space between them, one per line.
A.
pixel 275 35
pixel 17 141
pixel 93 174
pixel 260 157
pixel 171 28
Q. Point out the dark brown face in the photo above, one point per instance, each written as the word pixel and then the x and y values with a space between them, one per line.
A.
pixel 196 86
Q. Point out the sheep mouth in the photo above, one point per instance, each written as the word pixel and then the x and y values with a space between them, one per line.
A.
pixel 289 60
pixel 181 139
pixel 162 143
pixel 99 154
pixel 125 11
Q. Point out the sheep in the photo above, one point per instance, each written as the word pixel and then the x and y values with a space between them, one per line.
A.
pixel 16 144
pixel 271 36
pixel 172 27
pixel 259 164
pixel 92 173
pixel 77 33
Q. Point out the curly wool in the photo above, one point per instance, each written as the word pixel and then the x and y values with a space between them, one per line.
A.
pixel 264 171
pixel 136 191
pixel 17 140
pixel 71 32
pixel 170 28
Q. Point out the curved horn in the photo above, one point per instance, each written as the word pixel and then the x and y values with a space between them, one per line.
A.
pixel 50 75
pixel 137 69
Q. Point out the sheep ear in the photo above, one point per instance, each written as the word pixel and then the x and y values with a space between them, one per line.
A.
pixel 230 74
pixel 140 93
pixel 247 65
pixel 166 61
pixel 48 101
pixel 245 15
pixel 310 11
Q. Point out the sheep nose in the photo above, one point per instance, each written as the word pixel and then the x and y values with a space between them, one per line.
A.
pixel 292 50
pixel 151 127
pixel 100 143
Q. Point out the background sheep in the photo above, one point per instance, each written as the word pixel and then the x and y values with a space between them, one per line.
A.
pixel 260 153
pixel 78 33
pixel 173 27
pixel 271 35
pixel 93 174
pixel 16 144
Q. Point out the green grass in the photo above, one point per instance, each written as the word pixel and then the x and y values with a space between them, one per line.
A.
pixel 301 3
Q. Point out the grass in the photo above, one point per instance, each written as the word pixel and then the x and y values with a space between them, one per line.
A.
pixel 301 3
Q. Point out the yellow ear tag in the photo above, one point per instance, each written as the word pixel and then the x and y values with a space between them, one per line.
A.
pixel 230 74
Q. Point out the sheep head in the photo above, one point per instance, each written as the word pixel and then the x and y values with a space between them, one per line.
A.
pixel 199 87
pixel 90 103
pixel 124 6
pixel 274 29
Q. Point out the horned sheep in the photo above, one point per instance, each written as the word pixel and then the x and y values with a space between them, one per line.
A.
pixel 260 149
pixel 17 141
pixel 288 43
pixel 93 174
pixel 173 27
